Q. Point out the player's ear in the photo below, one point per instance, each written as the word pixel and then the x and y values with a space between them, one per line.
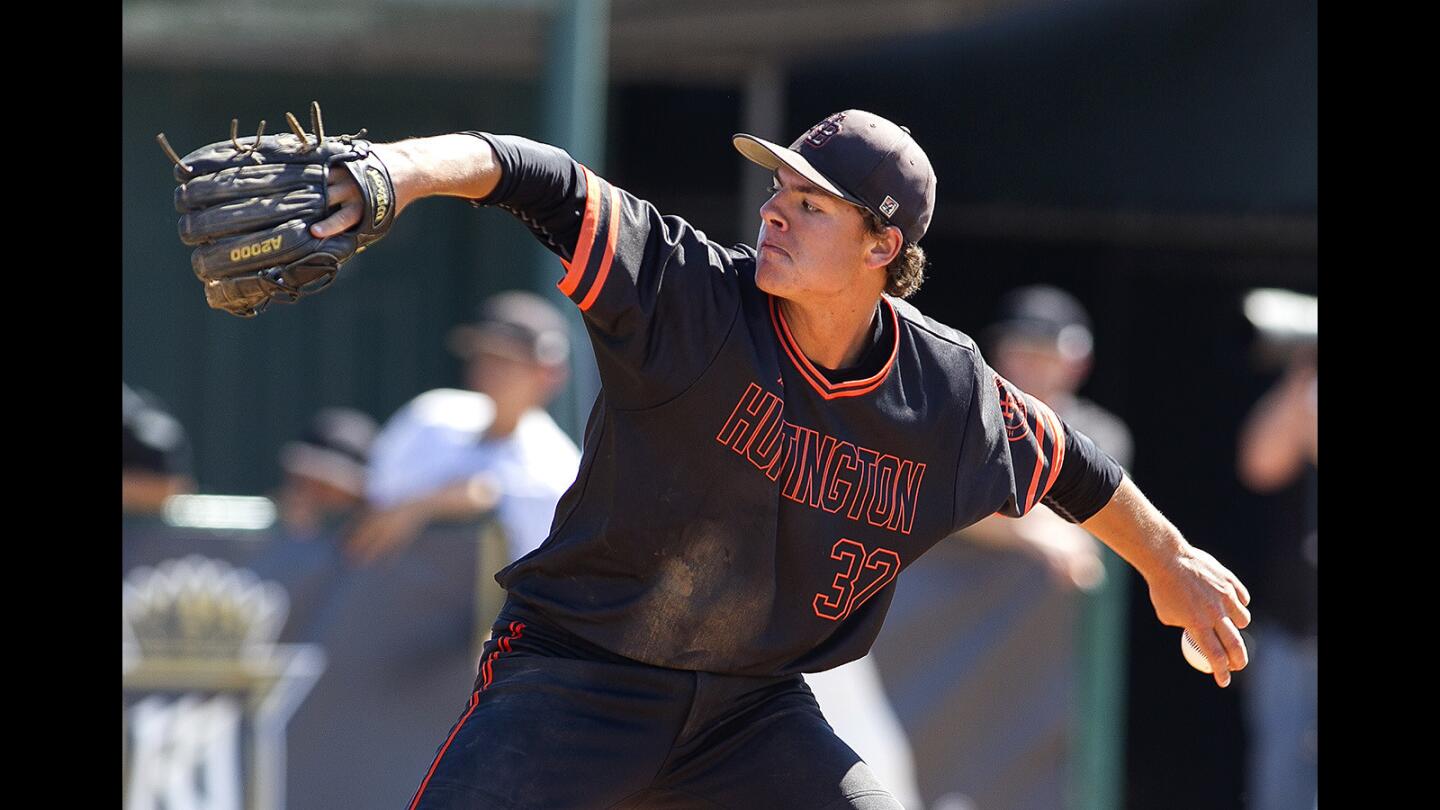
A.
pixel 555 376
pixel 1077 370
pixel 884 247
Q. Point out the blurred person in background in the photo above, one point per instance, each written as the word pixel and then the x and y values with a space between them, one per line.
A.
pixel 454 454
pixel 324 473
pixel 1015 749
pixel 1041 341
pixel 155 453
pixel 1278 456
pixel 321 495
pixel 395 639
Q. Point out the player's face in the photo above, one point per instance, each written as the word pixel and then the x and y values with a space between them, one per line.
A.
pixel 499 369
pixel 1038 367
pixel 812 245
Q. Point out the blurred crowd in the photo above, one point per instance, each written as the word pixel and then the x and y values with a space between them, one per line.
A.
pixel 449 454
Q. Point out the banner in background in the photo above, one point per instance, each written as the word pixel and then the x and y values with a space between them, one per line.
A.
pixel 262 671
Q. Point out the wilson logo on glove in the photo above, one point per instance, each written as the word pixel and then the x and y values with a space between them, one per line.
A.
pixel 378 187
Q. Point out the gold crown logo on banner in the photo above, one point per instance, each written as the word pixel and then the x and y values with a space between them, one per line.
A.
pixel 200 608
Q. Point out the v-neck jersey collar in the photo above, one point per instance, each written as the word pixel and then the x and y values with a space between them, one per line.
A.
pixel 815 377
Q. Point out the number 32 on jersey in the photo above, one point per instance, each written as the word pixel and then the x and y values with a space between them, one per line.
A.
pixel 862 575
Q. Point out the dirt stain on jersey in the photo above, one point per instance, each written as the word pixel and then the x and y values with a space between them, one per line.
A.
pixel 696 609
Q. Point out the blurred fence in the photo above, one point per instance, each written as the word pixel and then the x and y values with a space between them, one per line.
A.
pixel 1008 686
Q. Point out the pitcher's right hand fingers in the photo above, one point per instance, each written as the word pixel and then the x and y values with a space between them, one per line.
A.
pixel 343 191
pixel 1224 648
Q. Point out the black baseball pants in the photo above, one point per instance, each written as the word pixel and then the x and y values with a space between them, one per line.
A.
pixel 555 723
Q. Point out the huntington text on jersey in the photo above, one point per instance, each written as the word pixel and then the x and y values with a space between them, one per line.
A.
pixel 821 471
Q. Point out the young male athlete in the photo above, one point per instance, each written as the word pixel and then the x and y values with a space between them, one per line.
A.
pixel 778 435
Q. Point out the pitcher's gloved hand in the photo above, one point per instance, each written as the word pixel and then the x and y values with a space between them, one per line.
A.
pixel 247 205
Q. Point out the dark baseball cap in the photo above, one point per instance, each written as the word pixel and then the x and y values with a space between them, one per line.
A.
pixel 154 441
pixel 334 448
pixel 1043 314
pixel 519 323
pixel 863 159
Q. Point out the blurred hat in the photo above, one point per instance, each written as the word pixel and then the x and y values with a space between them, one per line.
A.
pixel 1286 323
pixel 1043 314
pixel 515 323
pixel 335 448
pixel 1283 315
pixel 152 440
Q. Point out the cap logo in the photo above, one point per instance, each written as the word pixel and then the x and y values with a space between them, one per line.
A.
pixel 888 206
pixel 824 131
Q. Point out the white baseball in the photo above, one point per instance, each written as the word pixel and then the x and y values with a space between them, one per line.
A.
pixel 1193 655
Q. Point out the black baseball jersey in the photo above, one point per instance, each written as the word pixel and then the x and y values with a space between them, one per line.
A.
pixel 737 509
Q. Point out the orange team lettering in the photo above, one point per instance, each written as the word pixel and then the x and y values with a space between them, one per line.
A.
pixel 821 471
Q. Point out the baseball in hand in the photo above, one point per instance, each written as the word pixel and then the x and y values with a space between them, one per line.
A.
pixel 1193 655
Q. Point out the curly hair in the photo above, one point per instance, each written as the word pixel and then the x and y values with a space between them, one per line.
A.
pixel 906 272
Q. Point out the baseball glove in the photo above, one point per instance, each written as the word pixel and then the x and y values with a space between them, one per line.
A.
pixel 247 205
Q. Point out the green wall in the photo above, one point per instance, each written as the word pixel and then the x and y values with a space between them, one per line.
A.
pixel 371 341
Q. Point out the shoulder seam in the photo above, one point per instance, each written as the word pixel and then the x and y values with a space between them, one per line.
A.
pixel 922 326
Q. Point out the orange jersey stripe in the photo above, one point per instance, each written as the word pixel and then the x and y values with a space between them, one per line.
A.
pixel 826 389
pixel 815 373
pixel 502 644
pixel 783 333
pixel 1039 433
pixel 610 240
pixel 1057 461
pixel 801 363
pixel 575 268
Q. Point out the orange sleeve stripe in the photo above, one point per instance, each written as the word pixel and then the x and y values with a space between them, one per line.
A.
pixel 610 239
pixel 575 268
pixel 1057 461
pixel 1039 433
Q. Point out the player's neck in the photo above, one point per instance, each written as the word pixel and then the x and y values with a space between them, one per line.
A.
pixel 504 424
pixel 1060 400
pixel 832 335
